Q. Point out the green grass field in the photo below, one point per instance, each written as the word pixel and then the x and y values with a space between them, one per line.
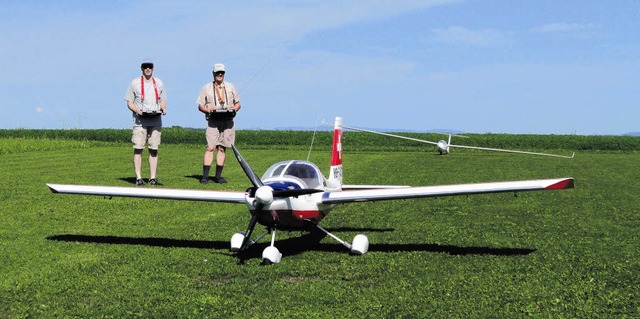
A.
pixel 555 254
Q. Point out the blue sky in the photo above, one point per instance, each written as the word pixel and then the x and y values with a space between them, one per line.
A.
pixel 479 66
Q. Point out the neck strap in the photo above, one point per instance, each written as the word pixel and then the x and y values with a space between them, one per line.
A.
pixel 155 87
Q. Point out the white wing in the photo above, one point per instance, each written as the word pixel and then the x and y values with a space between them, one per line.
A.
pixel 354 187
pixel 163 193
pixel 445 190
pixel 510 151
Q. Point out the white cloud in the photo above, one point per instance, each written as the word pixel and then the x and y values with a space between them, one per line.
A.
pixel 464 36
pixel 562 27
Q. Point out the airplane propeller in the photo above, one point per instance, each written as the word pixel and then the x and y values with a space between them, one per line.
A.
pixel 255 180
pixel 263 194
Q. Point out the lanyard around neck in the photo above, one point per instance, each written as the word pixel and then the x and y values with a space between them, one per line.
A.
pixel 155 87
pixel 221 98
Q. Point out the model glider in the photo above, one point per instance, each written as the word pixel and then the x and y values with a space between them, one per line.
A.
pixel 294 195
pixel 445 146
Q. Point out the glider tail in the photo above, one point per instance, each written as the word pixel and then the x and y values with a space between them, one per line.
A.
pixel 335 175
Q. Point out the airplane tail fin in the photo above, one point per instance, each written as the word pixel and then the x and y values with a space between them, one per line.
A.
pixel 335 175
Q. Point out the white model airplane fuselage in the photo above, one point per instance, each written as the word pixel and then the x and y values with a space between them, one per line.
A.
pixel 295 195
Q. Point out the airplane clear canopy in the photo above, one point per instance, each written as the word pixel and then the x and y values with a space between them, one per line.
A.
pixel 307 174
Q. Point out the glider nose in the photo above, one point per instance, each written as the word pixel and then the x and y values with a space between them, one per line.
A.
pixel 443 147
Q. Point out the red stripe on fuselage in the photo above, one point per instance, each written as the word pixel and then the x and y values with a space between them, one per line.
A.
pixel 290 219
pixel 306 214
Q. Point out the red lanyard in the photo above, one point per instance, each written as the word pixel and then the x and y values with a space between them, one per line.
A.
pixel 155 87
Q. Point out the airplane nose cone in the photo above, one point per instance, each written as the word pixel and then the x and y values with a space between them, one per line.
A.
pixel 264 195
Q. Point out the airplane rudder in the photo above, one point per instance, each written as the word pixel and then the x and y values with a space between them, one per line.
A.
pixel 336 150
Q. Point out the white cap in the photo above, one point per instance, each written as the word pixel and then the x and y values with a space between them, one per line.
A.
pixel 218 67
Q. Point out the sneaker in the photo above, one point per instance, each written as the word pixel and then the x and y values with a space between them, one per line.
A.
pixel 154 181
pixel 204 181
pixel 219 180
pixel 139 182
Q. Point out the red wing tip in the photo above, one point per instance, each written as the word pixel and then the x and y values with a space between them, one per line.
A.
pixel 563 184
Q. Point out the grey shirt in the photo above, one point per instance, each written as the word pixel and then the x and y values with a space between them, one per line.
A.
pixel 151 101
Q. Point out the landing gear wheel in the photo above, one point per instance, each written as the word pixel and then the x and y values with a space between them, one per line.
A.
pixel 360 245
pixel 236 241
pixel 271 255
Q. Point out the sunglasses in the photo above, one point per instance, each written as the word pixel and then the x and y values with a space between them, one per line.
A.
pixel 219 73
pixel 147 66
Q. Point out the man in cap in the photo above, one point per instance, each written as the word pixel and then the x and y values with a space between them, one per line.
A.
pixel 219 101
pixel 146 99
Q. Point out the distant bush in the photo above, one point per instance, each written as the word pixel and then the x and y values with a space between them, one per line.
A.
pixel 356 141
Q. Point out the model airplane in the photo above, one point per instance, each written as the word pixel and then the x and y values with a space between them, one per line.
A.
pixel 444 146
pixel 294 195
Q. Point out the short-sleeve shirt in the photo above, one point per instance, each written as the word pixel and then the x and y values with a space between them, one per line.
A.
pixel 208 96
pixel 151 102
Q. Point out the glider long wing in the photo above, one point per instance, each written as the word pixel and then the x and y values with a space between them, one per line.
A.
pixel 445 190
pixel 163 193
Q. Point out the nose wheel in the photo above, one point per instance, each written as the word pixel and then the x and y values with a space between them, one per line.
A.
pixel 271 254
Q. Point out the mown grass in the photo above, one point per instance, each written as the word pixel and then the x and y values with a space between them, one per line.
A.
pixel 564 254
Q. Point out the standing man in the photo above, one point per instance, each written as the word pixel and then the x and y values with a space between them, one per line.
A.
pixel 147 101
pixel 219 101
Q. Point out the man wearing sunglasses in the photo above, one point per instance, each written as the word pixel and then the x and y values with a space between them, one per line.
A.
pixel 146 99
pixel 219 101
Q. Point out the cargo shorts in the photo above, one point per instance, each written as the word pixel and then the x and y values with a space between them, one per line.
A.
pixel 221 133
pixel 146 134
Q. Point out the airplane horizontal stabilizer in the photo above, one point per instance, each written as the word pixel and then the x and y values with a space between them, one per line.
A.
pixel 445 190
pixel 163 193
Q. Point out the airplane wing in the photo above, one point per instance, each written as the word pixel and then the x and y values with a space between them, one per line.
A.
pixel 445 190
pixel 354 187
pixel 163 193
pixel 510 151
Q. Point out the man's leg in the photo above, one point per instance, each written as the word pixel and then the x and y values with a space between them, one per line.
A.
pixel 153 163
pixel 206 164
pixel 220 165
pixel 137 165
pixel 154 136
pixel 138 138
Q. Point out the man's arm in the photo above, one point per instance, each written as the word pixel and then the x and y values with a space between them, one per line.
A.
pixel 236 106
pixel 163 107
pixel 130 98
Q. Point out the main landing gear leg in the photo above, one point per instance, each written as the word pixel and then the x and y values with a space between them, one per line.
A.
pixel 241 241
pixel 360 242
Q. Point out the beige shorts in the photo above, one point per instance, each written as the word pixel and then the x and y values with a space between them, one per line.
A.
pixel 221 133
pixel 143 134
